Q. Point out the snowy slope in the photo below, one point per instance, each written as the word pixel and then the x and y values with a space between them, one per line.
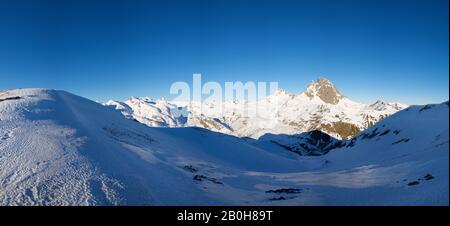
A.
pixel 60 149
pixel 401 160
pixel 321 107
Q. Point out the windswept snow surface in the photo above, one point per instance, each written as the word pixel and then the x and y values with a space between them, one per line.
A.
pixel 60 149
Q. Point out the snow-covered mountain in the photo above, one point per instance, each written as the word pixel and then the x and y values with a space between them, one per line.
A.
pixel 401 160
pixel 321 107
pixel 60 149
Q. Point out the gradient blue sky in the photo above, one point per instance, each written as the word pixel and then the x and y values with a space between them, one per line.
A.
pixel 396 50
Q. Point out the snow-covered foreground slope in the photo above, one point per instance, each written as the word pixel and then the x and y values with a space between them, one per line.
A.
pixel 60 149
pixel 321 107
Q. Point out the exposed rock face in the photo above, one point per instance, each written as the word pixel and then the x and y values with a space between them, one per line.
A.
pixel 382 106
pixel 305 144
pixel 325 90
pixel 213 124
pixel 344 129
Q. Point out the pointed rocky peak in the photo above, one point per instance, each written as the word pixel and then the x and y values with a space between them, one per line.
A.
pixel 383 106
pixel 142 100
pixel 146 99
pixel 279 94
pixel 325 90
pixel 379 105
pixel 132 99
pixel 112 102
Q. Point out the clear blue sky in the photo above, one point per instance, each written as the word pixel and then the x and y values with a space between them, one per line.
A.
pixel 396 50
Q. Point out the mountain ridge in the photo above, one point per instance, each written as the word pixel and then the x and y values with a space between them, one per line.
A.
pixel 57 148
pixel 320 107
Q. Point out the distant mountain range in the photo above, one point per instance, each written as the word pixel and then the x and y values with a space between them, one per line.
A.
pixel 321 107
